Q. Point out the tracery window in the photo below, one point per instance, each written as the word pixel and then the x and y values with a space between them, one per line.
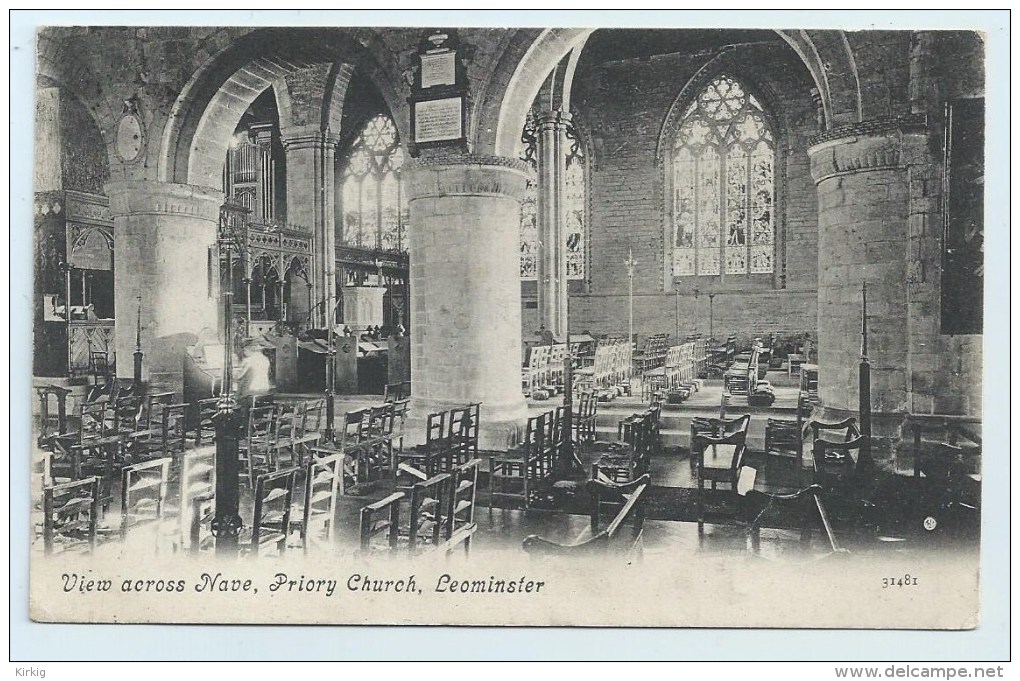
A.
pixel 574 199
pixel 723 180
pixel 373 202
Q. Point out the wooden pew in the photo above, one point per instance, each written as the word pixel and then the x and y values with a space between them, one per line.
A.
pixel 617 536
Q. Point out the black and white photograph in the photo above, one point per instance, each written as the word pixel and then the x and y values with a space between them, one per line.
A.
pixel 508 326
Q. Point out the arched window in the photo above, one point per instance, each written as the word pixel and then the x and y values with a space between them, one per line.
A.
pixel 574 200
pixel 374 204
pixel 723 180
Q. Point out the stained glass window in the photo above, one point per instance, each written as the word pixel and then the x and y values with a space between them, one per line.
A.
pixel 574 199
pixel 373 207
pixel 723 180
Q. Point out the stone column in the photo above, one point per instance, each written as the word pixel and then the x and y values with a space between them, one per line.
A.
pixel 163 233
pixel 465 290
pixel 863 181
pixel 310 200
pixel 266 184
pixel 552 260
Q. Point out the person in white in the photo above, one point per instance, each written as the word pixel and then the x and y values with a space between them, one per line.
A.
pixel 254 376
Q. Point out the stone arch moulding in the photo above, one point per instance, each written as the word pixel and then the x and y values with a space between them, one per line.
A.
pixel 826 54
pixel 208 108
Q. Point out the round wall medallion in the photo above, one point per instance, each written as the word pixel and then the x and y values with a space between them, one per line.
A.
pixel 129 137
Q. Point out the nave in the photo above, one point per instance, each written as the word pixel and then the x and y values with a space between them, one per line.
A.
pixel 670 450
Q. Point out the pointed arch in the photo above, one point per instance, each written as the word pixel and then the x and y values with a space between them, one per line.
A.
pixel 719 156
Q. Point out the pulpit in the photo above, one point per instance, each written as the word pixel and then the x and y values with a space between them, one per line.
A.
pixel 363 306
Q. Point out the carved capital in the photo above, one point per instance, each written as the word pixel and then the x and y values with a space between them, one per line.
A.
pixel 467 175
pixel 879 145
pixel 142 197
pixel 308 137
pixel 553 121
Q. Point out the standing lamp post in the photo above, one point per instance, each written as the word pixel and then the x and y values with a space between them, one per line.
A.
pixel 711 315
pixel 630 262
pixel 864 392
pixel 676 310
pixel 226 523
pixel 137 377
pixel 330 305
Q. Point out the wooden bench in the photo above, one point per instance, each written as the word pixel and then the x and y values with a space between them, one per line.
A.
pixel 622 534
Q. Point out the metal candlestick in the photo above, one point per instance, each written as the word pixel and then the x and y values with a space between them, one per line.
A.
pixel 226 523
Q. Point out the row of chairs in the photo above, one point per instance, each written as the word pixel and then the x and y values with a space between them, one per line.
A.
pixel 520 473
pixel 276 434
pixel 652 353
pixel 677 379
pixel 72 515
pixel 440 513
pixel 451 440
pixel 610 374
pixel 370 440
pixel 542 374
pixel 638 440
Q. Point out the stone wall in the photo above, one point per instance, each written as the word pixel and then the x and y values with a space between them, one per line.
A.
pixel 624 105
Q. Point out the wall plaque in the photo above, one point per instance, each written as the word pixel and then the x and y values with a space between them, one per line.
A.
pixel 438 119
pixel 438 69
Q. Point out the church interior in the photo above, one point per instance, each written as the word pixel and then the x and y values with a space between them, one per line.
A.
pixel 357 290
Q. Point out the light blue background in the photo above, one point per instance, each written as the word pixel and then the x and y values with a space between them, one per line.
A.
pixel 34 642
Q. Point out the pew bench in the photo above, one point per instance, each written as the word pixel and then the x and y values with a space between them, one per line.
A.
pixel 622 534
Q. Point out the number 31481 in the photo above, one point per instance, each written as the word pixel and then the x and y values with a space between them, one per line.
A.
pixel 905 580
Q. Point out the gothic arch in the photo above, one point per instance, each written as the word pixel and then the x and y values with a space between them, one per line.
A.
pixel 826 54
pixel 210 105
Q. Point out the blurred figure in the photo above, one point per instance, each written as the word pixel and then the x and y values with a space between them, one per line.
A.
pixel 253 378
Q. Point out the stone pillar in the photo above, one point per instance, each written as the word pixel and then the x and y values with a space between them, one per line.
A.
pixel 552 253
pixel 163 233
pixel 310 201
pixel 465 290
pixel 863 181
pixel 266 183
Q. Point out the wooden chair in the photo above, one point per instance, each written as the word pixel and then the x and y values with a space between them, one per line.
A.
pixel 463 434
pixel 584 422
pixel 308 432
pixel 427 519
pixel 460 514
pixel 381 520
pixel 274 493
pixel 257 447
pixel 197 497
pixel 400 409
pixel 203 424
pixel 165 438
pixel 425 461
pixel 784 438
pixel 350 445
pixel 50 422
pixel 835 462
pixel 624 532
pixel 143 494
pixel 70 516
pixel 513 474
pixel 718 457
pixel 322 487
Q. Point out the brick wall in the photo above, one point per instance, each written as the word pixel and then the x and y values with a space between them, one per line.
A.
pixel 622 107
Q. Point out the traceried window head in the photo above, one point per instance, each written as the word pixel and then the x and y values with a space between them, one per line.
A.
pixel 723 181
pixel 574 200
pixel 374 205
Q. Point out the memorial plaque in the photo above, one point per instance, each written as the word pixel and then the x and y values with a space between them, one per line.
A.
pixel 438 119
pixel 438 69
